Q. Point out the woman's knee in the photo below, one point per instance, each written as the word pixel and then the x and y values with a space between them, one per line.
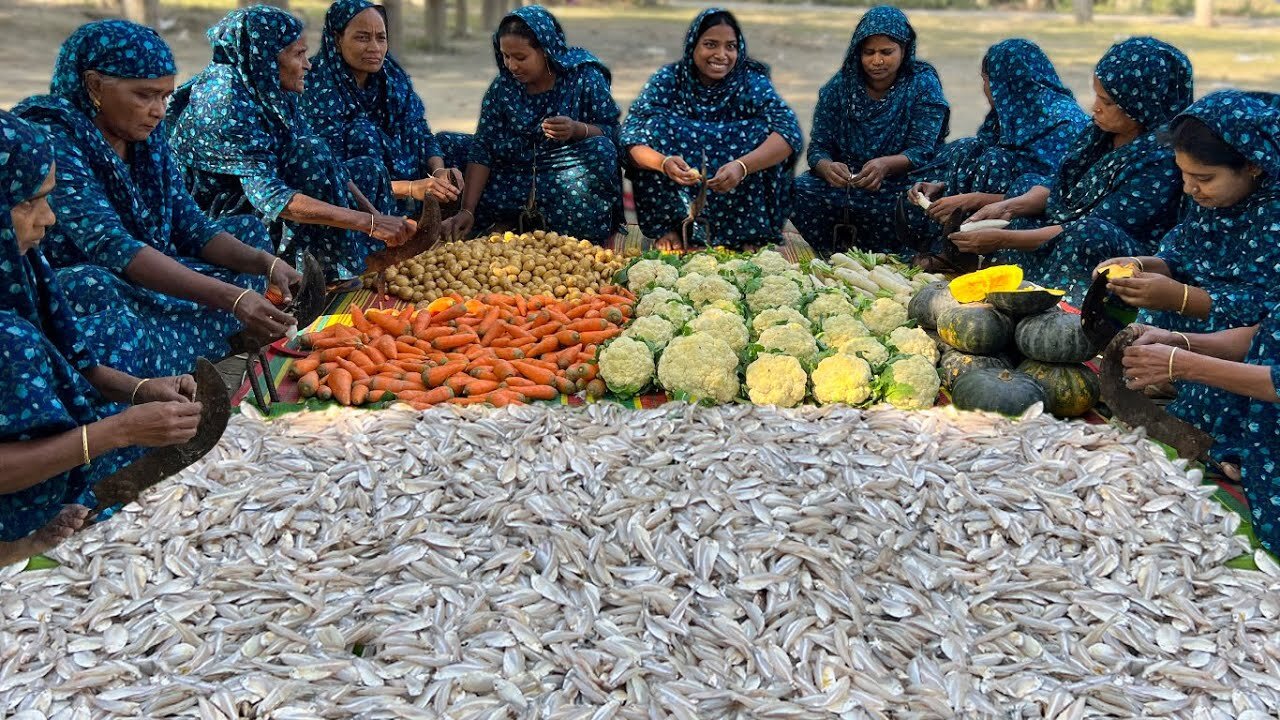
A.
pixel 249 230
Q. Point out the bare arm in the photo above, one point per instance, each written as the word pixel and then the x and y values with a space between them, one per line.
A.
pixel 772 151
pixel 226 250
pixel 1246 379
pixel 310 211
pixel 154 270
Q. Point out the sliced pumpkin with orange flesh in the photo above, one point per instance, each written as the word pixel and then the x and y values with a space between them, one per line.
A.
pixel 974 286
pixel 1119 270
pixel 440 304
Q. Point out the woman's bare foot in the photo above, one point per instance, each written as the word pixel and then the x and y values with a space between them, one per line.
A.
pixel 63 525
pixel 670 242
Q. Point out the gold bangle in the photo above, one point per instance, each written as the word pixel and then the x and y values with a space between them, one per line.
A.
pixel 1172 352
pixel 662 166
pixel 133 399
pixel 84 442
pixel 1185 339
pixel 239 297
pixel 271 270
pixel 745 170
pixel 373 219
pixel 1186 290
pixel 1138 261
pixel 442 169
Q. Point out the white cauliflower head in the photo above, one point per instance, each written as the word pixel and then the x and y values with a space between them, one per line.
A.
pixel 910 382
pixel 827 304
pixel 646 272
pixel 776 380
pixel 626 365
pixel 774 291
pixel 729 327
pixel 867 348
pixel 804 281
pixel 839 329
pixel 654 299
pixel 676 313
pixel 700 264
pixel 794 340
pixel 884 315
pixel 687 283
pixel 772 262
pixel 712 289
pixel 653 329
pixel 701 366
pixel 778 316
pixel 914 341
pixel 739 271
pixel 842 379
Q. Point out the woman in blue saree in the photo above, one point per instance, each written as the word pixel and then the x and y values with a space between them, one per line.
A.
pixel 362 102
pixel 1220 267
pixel 882 115
pixel 246 147
pixel 548 118
pixel 718 101
pixel 155 283
pixel 1033 121
pixel 60 432
pixel 1117 175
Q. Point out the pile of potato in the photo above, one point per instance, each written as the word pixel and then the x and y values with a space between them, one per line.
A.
pixel 534 263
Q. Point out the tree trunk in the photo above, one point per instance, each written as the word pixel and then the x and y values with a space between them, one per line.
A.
pixel 1083 10
pixel 282 4
pixel 395 25
pixel 1204 13
pixel 437 21
pixel 143 12
pixel 461 21
pixel 494 11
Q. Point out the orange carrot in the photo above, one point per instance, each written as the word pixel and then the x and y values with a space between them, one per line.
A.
pixel 476 351
pixel 539 375
pixel 358 319
pixel 545 345
pixel 375 355
pixel 387 346
pixel 614 315
pixel 379 382
pixel 435 331
pixel 545 329
pixel 563 384
pixel 540 392
pixel 588 371
pixel 519 332
pixel 477 400
pixel 483 373
pixel 489 320
pixel 307 384
pixel 509 353
pixel 515 381
pixel 359 394
pixel 480 387
pixel 453 312
pixel 595 338
pixel 407 348
pixel 567 338
pixel 410 366
pixel 340 383
pixel 451 342
pixel 302 366
pixel 331 354
pixel 588 325
pixel 438 395
pixel 503 398
pixel 503 370
pixel 362 358
pixel 436 376
pixel 357 372
pixel 568 356
pixel 324 393
pixel 420 322
pixel 389 322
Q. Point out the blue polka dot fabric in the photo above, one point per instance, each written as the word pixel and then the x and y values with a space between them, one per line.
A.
pixel 1260 449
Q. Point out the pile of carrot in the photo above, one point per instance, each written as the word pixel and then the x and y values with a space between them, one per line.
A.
pixel 495 349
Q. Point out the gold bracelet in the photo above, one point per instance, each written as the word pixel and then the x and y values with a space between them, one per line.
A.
pixel 133 399
pixel 373 219
pixel 662 166
pixel 1138 261
pixel 1185 339
pixel 433 172
pixel 464 210
pixel 745 170
pixel 1186 289
pixel 239 297
pixel 84 442
pixel 271 270
pixel 1172 352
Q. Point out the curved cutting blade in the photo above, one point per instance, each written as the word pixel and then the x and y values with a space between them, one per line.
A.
pixel 427 236
pixel 125 485
pixel 310 300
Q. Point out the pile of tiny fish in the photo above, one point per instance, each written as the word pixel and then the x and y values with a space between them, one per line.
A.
pixel 682 562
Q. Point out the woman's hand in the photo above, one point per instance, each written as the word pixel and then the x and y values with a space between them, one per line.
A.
pixel 261 318
pixel 979 242
pixel 1146 365
pixel 836 174
pixel 159 424
pixel 728 177
pixel 678 170
pixel 393 229
pixel 457 227
pixel 174 388
pixel 943 209
pixel 1157 336
pixel 562 128
pixel 284 277
pixel 437 187
pixel 1126 260
pixel 930 190
pixel 870 175
pixel 1148 290
pixel 453 176
pixel 1003 210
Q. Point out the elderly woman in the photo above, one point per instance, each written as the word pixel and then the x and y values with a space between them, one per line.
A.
pixel 155 284
pixel 716 101
pixel 59 435
pixel 362 102
pixel 882 115
pixel 1032 123
pixel 246 147
pixel 1117 176
pixel 1220 267
pixel 547 121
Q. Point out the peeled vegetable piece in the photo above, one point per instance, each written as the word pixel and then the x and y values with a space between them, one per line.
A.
pixel 1007 392
pixel 1071 389
pixel 1119 270
pixel 1055 337
pixel 955 363
pixel 975 328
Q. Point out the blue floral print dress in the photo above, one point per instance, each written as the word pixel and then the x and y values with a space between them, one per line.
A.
pixel 1259 447
pixel 384 119
pixel 245 147
pixel 43 391
pixel 579 183
pixel 852 127
pixel 1113 201
pixel 109 209
pixel 677 114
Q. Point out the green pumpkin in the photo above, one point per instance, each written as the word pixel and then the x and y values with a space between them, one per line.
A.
pixel 1054 337
pixel 975 328
pixel 1007 392
pixel 929 302
pixel 1070 389
pixel 1024 302
pixel 955 363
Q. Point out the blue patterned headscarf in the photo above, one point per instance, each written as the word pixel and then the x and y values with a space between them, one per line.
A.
pixel 112 47
pixel 550 34
pixel 1028 99
pixel 1148 78
pixel 723 92
pixel 1248 122
pixel 893 24
pixel 234 114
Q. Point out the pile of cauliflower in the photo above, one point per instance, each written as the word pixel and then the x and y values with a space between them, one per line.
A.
pixel 756 328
